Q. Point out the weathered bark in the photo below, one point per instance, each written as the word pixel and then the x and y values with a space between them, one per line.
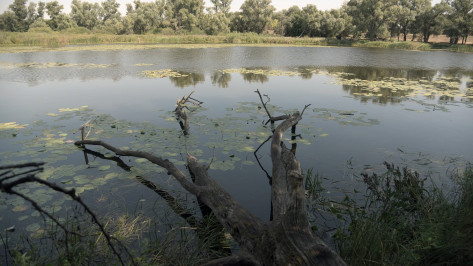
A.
pixel 287 239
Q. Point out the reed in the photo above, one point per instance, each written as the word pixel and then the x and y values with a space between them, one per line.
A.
pixel 44 38
pixel 405 222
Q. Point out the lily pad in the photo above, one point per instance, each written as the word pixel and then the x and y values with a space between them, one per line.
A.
pixel 104 167
pixel 20 208
pixel 12 125
pixel 141 160
pixel 33 227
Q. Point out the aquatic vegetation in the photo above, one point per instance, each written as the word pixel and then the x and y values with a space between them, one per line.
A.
pixel 441 88
pixel 344 117
pixel 143 64
pixel 162 73
pixel 265 72
pixel 11 125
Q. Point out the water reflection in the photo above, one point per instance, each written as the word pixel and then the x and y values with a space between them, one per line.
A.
pixel 187 79
pixel 371 73
pixel 221 79
pixel 383 97
pixel 255 77
pixel 306 72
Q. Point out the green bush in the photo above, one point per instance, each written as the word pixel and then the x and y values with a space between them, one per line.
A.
pixel 77 30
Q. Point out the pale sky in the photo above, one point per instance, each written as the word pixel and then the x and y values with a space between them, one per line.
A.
pixel 236 4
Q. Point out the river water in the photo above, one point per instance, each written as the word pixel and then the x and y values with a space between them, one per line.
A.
pixel 366 106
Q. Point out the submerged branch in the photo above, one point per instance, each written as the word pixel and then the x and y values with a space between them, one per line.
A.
pixel 166 164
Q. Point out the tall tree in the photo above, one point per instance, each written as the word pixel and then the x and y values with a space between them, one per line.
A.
pixel 40 10
pixel 256 15
pixel 335 23
pixel 18 7
pixel 222 6
pixel 311 21
pixel 32 15
pixel 58 20
pixel 217 18
pixel 86 14
pixel 293 23
pixel 145 16
pixel 110 10
pixel 8 21
pixel 460 20
pixel 185 14
pixel 430 20
pixel 215 22
pixel 369 16
pixel 400 14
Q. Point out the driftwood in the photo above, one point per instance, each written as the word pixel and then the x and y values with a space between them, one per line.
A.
pixel 285 240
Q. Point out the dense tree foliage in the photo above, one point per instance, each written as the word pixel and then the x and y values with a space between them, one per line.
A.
pixel 58 20
pixel 373 19
pixel 460 20
pixel 86 14
pixel 255 15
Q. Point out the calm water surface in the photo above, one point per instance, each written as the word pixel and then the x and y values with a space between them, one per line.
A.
pixel 347 131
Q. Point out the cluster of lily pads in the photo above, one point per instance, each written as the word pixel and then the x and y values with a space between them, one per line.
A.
pixel 404 88
pixel 162 73
pixel 265 72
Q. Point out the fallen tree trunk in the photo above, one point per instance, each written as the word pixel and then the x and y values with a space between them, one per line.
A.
pixel 287 239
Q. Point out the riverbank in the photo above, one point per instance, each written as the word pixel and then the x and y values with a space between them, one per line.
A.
pixel 46 41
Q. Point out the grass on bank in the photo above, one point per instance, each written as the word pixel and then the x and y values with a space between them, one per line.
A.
pixel 178 244
pixel 406 222
pixel 46 40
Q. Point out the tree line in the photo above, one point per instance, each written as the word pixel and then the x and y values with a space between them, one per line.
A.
pixel 373 19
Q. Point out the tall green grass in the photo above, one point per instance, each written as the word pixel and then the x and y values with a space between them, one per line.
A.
pixel 47 39
pixel 405 222
pixel 393 45
pixel 149 241
pixel 44 39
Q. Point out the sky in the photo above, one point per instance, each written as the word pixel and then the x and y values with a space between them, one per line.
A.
pixel 236 4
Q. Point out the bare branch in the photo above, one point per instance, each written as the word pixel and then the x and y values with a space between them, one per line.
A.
pixel 8 188
pixel 305 107
pixel 264 105
pixel 166 164
pixel 259 163
pixel 42 211
pixel 182 114
pixel 17 166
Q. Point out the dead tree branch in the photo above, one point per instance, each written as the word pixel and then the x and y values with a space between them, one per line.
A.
pixel 182 114
pixel 287 239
